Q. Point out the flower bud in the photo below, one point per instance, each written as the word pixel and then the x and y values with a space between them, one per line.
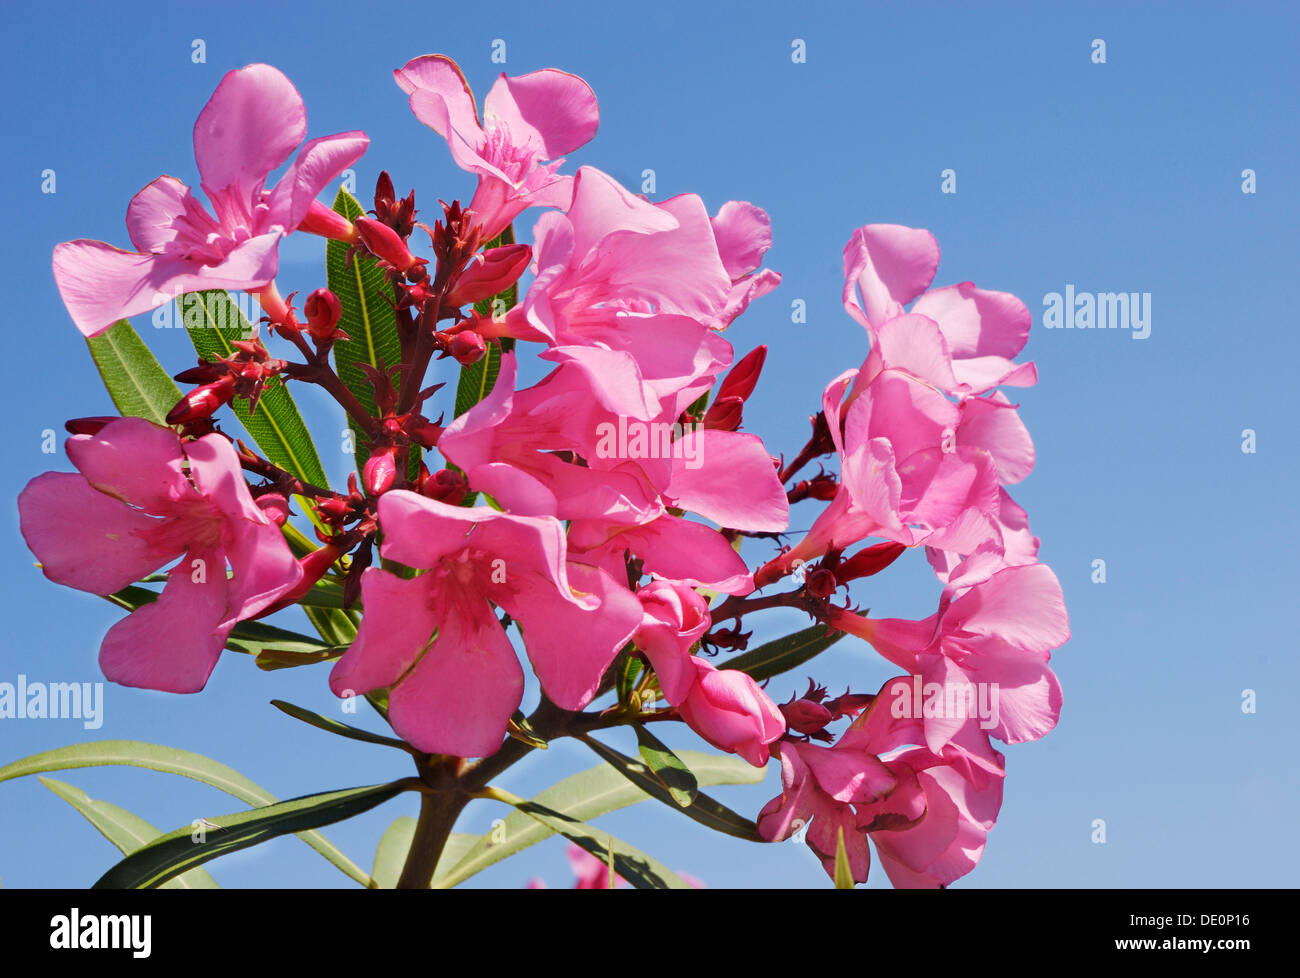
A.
pixel 805 716
pixel 873 560
pixel 445 486
pixel 821 583
pixel 385 244
pixel 322 309
pixel 468 348
pixel 490 273
pixel 380 472
pixel 328 223
pixel 202 402
pixel 87 426
pixel 724 414
pixel 740 382
pixel 275 506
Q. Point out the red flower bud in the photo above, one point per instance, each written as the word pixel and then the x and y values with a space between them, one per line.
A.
pixel 740 382
pixel 322 309
pixel 490 273
pixel 468 348
pixel 873 560
pixel 805 716
pixel 87 426
pixel 446 486
pixel 202 402
pixel 385 243
pixel 275 506
pixel 724 414
pixel 380 472
pixel 821 583
pixel 328 223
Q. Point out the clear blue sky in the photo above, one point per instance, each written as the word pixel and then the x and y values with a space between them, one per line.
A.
pixel 1121 176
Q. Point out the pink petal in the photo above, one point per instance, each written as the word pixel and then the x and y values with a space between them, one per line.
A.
pixel 552 110
pixel 744 235
pixel 891 265
pixel 438 80
pixel 172 644
pixel 151 213
pixel 459 697
pixel 253 121
pixel 137 461
pixel 319 162
pixel 728 477
pixel 84 538
pixel 397 626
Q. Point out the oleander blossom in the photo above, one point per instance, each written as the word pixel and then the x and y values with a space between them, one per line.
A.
pixel 253 121
pixel 142 499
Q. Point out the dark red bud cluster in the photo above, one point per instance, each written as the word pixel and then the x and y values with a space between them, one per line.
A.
pixel 323 311
pixel 445 486
pixel 822 486
pixel 812 712
pixel 390 249
pixel 397 214
pixel 244 373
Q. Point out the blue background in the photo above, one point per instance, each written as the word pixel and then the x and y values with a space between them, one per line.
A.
pixel 1117 176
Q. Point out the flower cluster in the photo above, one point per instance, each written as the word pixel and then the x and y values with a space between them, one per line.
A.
pixel 600 511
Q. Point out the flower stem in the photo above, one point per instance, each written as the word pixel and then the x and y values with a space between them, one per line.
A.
pixel 438 813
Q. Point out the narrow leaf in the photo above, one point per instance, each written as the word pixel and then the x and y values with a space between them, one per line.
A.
pixel 337 727
pixel 170 760
pixel 179 851
pixel 136 382
pixel 843 871
pixel 667 767
pixel 784 654
pixel 584 796
pixel 702 808
pixel 127 831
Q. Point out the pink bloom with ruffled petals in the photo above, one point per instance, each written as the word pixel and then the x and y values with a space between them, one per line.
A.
pixel 527 120
pixel 144 498
pixel 252 123
pixel 436 640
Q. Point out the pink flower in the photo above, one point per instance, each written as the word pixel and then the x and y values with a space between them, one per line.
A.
pixel 890 265
pixel 927 812
pixel 144 498
pixel 674 617
pixel 249 127
pixel 996 635
pixel 526 120
pixel 436 640
pixel 729 710
pixel 633 293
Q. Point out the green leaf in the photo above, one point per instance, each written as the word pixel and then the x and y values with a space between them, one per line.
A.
pixel 214 322
pixel 700 808
pixel 179 851
pixel 642 871
pixel 368 319
pixel 784 654
pixel 337 727
pixel 136 382
pixel 843 871
pixel 667 767
pixel 125 830
pixel 584 796
pixel 170 760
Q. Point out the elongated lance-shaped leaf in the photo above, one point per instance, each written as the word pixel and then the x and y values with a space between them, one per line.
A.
pixel 672 773
pixel 368 318
pixel 127 831
pixel 843 869
pixel 136 382
pixel 182 850
pixel 584 796
pixel 170 760
pixel 337 727
pixel 213 323
pixel 784 654
pixel 701 807
pixel 642 871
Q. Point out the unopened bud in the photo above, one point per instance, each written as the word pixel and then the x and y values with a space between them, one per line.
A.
pixel 379 472
pixel 873 560
pixel 805 716
pixel 385 244
pixel 490 273
pixel 740 382
pixel 275 506
pixel 725 414
pixel 322 309
pixel 328 223
pixel 446 486
pixel 87 426
pixel 821 583
pixel 468 348
pixel 202 402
